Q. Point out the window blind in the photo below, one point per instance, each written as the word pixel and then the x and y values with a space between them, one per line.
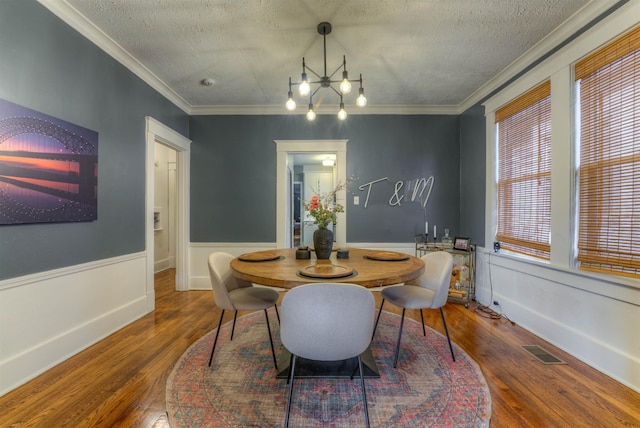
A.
pixel 524 173
pixel 609 170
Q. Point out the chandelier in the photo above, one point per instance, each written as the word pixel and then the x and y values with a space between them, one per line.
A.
pixel 344 87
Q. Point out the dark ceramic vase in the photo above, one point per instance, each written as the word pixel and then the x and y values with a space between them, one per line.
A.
pixel 323 242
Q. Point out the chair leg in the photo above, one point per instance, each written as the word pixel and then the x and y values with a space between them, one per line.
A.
pixel 424 332
pixel 233 327
pixel 216 339
pixel 377 319
pixel 293 366
pixel 447 331
pixel 277 314
pixel 355 370
pixel 395 361
pixel 364 392
pixel 290 364
pixel 273 352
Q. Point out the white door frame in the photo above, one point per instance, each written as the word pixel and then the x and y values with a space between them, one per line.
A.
pixel 286 147
pixel 289 208
pixel 157 132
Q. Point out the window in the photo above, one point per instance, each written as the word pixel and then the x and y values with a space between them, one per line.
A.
pixel 524 173
pixel 609 170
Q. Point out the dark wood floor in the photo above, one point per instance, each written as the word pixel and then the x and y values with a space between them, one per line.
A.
pixel 120 381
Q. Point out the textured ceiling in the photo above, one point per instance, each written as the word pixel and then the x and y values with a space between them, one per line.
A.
pixel 409 52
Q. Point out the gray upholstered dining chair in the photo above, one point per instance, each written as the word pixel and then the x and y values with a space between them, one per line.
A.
pixel 327 322
pixel 429 291
pixel 234 294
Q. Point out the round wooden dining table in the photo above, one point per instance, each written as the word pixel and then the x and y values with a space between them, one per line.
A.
pixel 369 268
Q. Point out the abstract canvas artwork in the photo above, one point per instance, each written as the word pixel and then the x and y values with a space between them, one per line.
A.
pixel 48 168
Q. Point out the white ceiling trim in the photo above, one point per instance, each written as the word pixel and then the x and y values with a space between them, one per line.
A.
pixel 323 110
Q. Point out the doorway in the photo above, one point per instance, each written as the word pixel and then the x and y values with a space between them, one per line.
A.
pixel 284 201
pixel 313 173
pixel 157 132
pixel 164 211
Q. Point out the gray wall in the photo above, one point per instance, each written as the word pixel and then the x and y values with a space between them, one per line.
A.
pixel 473 157
pixel 233 175
pixel 47 66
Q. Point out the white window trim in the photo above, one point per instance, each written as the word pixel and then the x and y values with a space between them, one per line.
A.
pixel 558 68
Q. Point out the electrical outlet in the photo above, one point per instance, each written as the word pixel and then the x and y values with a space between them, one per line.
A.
pixel 356 200
pixel 496 303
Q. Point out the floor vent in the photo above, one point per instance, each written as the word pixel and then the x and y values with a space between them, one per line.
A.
pixel 541 354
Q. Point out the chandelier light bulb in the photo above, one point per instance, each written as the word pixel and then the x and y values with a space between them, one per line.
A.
pixel 361 101
pixel 304 89
pixel 311 115
pixel 345 85
pixel 342 114
pixel 290 104
pixel 304 86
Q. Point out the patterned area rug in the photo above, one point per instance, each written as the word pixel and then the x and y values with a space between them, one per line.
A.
pixel 240 389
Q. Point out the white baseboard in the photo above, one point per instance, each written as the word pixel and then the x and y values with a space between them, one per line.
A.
pixel 160 265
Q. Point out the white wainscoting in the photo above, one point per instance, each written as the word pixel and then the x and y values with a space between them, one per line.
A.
pixel 48 317
pixel 594 318
pixel 199 254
